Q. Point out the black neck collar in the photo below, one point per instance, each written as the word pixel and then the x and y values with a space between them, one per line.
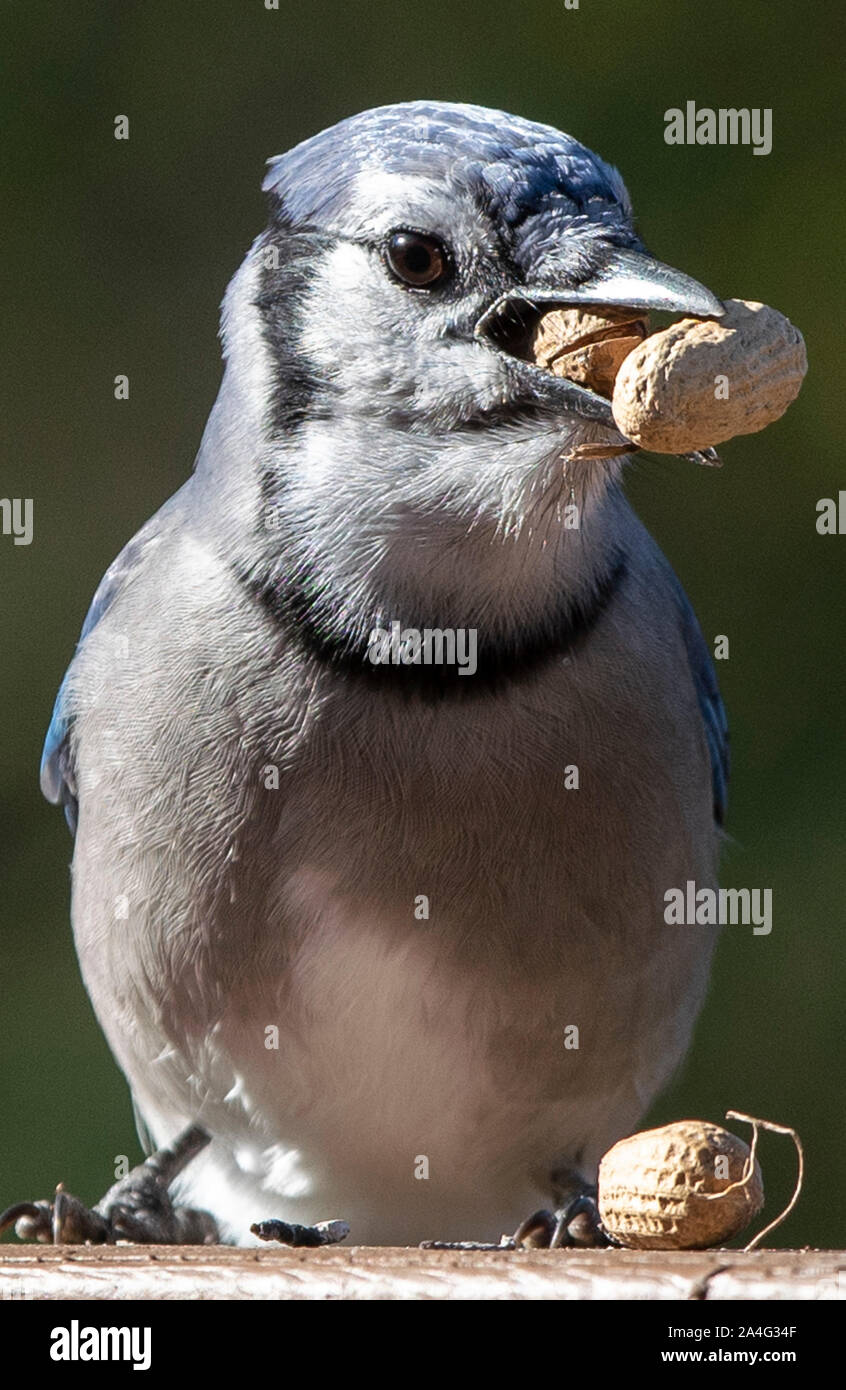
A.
pixel 499 660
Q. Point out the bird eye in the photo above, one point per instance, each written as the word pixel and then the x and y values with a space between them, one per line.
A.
pixel 418 260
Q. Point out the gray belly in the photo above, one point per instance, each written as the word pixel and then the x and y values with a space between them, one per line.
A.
pixel 411 942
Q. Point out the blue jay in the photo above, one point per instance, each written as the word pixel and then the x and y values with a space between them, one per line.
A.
pixel 391 933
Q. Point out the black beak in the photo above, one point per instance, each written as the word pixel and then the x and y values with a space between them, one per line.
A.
pixel 618 278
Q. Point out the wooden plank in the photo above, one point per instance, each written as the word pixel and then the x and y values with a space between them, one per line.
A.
pixel 359 1272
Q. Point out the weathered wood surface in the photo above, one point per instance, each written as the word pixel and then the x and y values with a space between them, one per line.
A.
pixel 218 1272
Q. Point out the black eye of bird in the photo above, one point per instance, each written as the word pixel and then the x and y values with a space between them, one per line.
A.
pixel 418 260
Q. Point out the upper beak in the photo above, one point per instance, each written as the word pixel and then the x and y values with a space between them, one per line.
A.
pixel 618 278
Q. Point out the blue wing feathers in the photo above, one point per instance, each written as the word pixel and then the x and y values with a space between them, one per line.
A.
pixel 710 703
pixel 58 779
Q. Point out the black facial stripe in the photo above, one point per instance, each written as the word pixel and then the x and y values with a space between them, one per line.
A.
pixel 499 660
pixel 296 388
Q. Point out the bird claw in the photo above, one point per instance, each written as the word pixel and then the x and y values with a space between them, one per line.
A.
pixel 575 1225
pixel 136 1208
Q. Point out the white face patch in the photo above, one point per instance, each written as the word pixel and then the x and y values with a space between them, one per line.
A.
pixel 343 275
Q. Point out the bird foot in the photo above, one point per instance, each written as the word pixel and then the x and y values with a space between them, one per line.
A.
pixel 290 1233
pixel 136 1208
pixel 575 1225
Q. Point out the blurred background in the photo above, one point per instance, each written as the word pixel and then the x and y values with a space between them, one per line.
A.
pixel 116 257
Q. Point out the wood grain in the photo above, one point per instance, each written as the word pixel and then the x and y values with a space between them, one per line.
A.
pixel 219 1272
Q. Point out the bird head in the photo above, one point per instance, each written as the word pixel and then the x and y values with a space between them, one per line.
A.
pixel 378 384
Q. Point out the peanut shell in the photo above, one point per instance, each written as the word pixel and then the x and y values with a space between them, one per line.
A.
pixel 668 392
pixel 587 348
pixel 656 1188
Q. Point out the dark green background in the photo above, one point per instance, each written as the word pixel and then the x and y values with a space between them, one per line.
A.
pixel 116 256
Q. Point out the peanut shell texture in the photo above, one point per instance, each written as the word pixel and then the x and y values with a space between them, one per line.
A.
pixel 702 381
pixel 660 1189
